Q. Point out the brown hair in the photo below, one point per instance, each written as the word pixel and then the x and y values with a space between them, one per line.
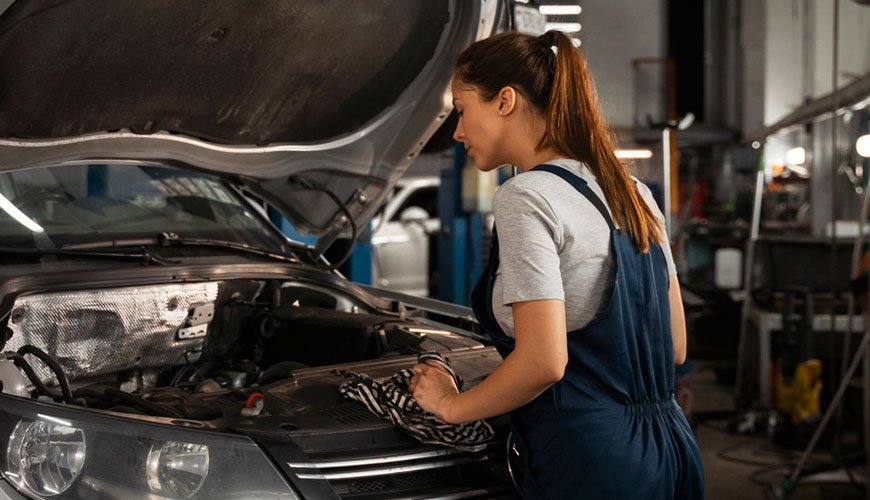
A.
pixel 559 86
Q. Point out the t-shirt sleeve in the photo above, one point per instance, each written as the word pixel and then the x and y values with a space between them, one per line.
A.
pixel 529 237
pixel 647 196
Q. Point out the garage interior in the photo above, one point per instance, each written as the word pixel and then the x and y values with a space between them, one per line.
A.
pixel 749 121
pixel 759 112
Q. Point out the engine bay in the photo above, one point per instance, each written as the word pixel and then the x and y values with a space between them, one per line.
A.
pixel 214 352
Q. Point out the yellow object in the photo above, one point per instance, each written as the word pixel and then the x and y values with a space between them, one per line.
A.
pixel 800 398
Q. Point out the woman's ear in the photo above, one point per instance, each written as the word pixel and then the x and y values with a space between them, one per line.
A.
pixel 507 100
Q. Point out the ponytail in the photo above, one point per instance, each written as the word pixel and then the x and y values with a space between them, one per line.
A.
pixel 559 86
pixel 575 129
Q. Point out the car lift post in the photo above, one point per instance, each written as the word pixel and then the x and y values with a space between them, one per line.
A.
pixel 359 266
pixel 459 241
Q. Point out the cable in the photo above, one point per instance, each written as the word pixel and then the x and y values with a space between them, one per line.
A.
pixel 306 184
pixel 785 459
pixel 54 366
pixel 723 454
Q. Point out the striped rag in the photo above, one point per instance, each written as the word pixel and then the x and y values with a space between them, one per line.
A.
pixel 391 400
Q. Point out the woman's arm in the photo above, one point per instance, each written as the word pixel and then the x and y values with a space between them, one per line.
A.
pixel 538 361
pixel 678 321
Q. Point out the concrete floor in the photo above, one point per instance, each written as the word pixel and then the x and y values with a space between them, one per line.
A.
pixel 736 466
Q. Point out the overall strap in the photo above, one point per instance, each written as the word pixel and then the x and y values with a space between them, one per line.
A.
pixel 582 187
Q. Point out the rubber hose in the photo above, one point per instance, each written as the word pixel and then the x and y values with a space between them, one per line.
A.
pixel 28 370
pixel 158 410
pixel 54 366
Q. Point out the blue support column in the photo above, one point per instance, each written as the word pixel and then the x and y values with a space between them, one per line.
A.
pixel 360 263
pixel 475 252
pixel 459 245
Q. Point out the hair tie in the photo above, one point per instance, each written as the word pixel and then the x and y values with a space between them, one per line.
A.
pixel 548 41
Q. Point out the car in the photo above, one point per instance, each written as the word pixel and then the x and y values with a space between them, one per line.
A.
pixel 405 236
pixel 161 338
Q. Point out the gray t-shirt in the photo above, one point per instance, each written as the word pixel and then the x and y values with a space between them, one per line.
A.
pixel 554 244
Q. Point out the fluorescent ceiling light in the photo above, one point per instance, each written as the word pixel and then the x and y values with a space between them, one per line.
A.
pixel 561 10
pixel 863 145
pixel 18 215
pixel 796 156
pixel 565 27
pixel 634 154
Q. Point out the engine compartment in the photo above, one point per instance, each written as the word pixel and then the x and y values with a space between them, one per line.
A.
pixel 214 352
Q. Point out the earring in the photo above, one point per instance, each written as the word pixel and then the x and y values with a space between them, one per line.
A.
pixel 500 113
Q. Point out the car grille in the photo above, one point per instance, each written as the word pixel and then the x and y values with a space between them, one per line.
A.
pixel 416 473
pixel 399 482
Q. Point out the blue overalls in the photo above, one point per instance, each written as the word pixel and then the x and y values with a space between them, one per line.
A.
pixel 611 428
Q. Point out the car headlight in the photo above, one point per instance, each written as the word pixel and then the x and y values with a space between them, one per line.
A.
pixel 177 470
pixel 56 451
pixel 46 457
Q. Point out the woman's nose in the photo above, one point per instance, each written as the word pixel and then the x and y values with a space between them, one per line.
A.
pixel 459 134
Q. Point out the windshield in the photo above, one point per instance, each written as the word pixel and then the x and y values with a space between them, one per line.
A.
pixel 50 207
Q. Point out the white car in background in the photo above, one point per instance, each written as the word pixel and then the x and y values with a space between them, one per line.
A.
pixel 405 238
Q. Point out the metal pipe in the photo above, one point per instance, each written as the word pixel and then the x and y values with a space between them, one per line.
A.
pixel 851 93
pixel 835 163
pixel 666 179
pixel 749 263
pixel 857 253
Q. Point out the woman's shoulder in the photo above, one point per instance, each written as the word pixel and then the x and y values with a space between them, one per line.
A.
pixel 519 190
pixel 542 182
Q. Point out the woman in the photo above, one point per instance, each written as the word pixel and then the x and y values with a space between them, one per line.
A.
pixel 581 297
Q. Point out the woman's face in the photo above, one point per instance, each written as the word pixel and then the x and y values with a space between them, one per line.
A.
pixel 480 128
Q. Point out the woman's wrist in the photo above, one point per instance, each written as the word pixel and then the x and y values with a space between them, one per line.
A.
pixel 449 411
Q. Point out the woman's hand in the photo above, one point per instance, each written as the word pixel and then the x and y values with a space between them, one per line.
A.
pixel 434 389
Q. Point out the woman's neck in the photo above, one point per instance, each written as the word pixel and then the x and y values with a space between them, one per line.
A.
pixel 535 158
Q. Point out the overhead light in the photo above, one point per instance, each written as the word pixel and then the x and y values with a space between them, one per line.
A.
pixel 634 154
pixel 564 27
pixel 796 156
pixel 686 121
pixel 756 144
pixel 18 215
pixel 863 145
pixel 561 10
pixel 801 171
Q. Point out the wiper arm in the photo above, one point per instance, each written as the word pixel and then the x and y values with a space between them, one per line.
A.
pixel 174 240
pixel 142 256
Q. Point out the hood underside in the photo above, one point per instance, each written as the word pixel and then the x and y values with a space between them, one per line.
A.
pixel 341 94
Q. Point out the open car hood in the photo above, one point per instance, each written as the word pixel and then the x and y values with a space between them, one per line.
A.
pixel 280 97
